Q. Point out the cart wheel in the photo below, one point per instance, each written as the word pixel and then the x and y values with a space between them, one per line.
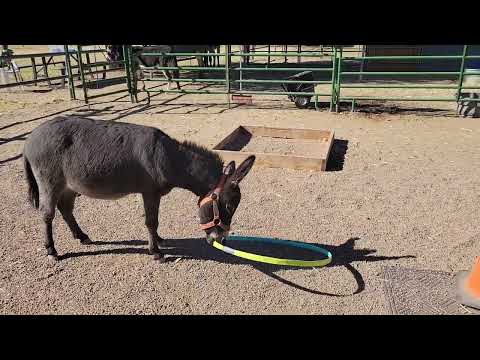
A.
pixel 302 102
pixel 467 108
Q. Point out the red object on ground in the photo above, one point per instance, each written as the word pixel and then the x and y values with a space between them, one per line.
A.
pixel 242 99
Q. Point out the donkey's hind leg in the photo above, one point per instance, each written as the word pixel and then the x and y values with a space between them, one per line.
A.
pixel 48 201
pixel 175 73
pixel 65 205
pixel 201 63
pixel 151 202
pixel 168 77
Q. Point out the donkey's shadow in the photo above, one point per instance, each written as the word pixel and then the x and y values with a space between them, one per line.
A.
pixel 198 249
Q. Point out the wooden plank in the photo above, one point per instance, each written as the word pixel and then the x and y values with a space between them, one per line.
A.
pixel 308 134
pixel 229 148
pixel 326 154
pixel 275 161
pixel 34 69
pixel 230 139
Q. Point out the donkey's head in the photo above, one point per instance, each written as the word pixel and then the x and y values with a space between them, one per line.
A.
pixel 216 209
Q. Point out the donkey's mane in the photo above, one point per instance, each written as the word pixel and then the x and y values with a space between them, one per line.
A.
pixel 203 152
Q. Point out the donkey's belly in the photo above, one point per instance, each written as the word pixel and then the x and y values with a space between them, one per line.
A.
pixel 96 192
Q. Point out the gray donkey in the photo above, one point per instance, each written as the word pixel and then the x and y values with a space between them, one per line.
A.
pixel 68 156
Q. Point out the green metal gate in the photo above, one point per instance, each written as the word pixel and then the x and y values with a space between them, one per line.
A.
pixel 231 75
pixel 460 74
pixel 92 68
pixel 336 75
pixel 227 70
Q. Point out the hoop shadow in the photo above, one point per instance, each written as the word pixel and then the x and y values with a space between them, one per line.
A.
pixel 198 249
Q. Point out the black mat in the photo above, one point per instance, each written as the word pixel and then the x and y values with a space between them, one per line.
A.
pixel 421 292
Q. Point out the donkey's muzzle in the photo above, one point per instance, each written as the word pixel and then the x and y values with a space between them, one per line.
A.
pixel 219 237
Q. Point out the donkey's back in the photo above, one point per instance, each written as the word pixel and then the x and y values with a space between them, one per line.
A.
pixel 68 156
pixel 96 158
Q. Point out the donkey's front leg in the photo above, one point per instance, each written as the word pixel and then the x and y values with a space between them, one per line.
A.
pixel 151 202
pixel 167 76
pixel 65 205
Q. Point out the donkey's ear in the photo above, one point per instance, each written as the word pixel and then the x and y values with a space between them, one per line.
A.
pixel 229 169
pixel 243 169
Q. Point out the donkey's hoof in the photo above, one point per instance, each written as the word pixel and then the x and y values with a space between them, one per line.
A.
pixel 53 258
pixel 84 239
pixel 159 257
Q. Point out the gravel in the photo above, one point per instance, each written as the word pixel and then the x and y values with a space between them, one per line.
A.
pixel 405 193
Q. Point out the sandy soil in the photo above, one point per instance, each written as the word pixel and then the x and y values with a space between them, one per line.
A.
pixel 298 147
pixel 405 193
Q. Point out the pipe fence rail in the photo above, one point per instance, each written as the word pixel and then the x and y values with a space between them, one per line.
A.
pixel 45 61
pixel 417 74
pixel 335 70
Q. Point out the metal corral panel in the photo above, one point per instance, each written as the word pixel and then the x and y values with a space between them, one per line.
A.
pixel 421 64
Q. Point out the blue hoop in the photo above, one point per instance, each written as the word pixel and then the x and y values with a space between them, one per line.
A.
pixel 272 260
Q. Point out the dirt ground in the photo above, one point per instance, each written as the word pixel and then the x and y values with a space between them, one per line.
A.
pixel 401 190
pixel 297 147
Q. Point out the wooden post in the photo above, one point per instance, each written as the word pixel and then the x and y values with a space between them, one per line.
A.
pixel 34 70
pixel 3 77
pixel 362 65
pixel 45 70
pixel 62 72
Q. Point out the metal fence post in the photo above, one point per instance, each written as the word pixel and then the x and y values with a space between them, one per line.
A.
pixel 462 69
pixel 127 53
pixel 241 72
pixel 132 74
pixel 338 79
pixel 333 100
pixel 68 64
pixel 362 65
pixel 227 72
pixel 82 75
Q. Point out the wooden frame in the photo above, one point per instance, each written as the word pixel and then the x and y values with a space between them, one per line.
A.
pixel 229 148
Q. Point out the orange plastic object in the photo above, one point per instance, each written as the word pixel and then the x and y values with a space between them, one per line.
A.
pixel 472 282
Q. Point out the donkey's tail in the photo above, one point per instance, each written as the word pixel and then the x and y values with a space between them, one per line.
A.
pixel 33 196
